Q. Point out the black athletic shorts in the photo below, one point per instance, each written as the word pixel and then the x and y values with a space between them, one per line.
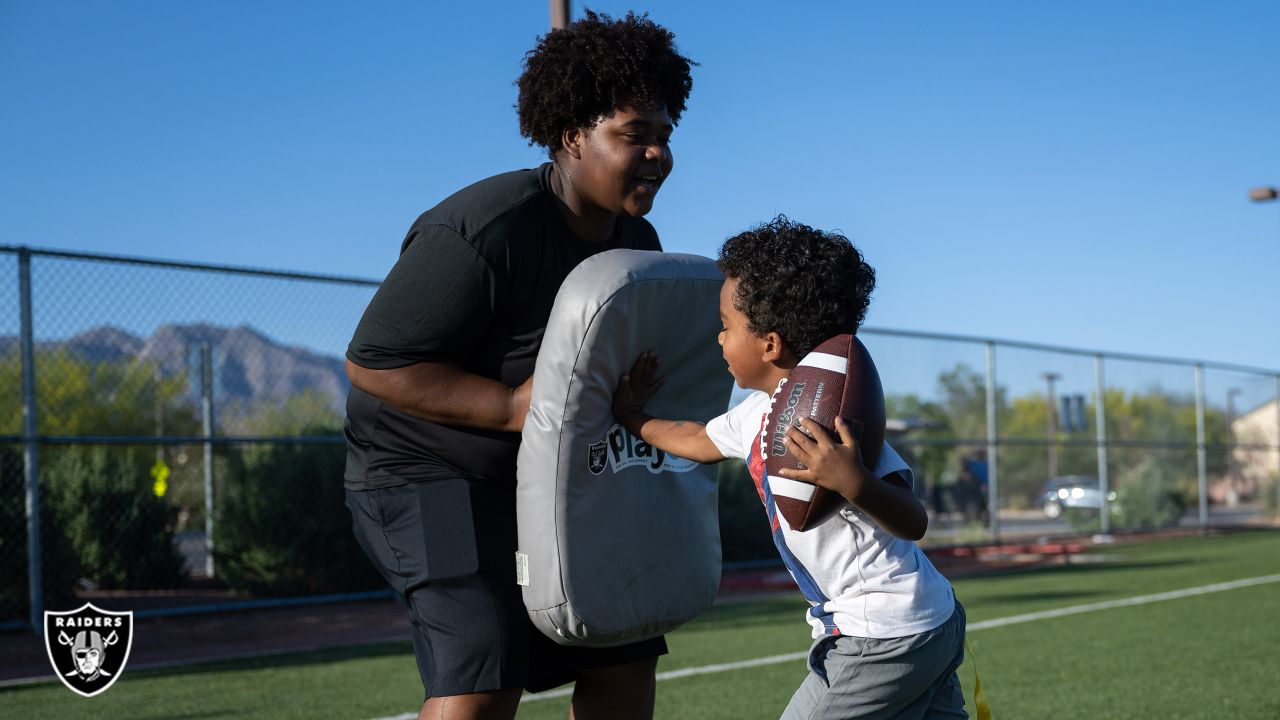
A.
pixel 448 547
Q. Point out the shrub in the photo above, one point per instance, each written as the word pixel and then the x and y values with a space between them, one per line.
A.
pixel 58 567
pixel 1269 499
pixel 1144 500
pixel 120 532
pixel 282 527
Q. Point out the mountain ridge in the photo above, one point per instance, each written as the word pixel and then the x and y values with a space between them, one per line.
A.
pixel 248 365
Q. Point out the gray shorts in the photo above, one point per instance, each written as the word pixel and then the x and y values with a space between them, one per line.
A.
pixel 908 677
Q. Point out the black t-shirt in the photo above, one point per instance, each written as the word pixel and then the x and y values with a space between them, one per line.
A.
pixel 474 284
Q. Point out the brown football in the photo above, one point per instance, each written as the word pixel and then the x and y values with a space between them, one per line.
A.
pixel 837 378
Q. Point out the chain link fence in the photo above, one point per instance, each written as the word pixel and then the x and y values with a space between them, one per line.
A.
pixel 1011 442
pixel 183 450
pixel 180 428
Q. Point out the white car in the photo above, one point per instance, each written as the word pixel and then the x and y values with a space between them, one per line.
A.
pixel 1072 491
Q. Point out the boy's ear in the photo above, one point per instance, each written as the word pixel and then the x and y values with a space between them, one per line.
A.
pixel 775 349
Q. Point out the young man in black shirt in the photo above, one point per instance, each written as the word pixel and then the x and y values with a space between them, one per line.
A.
pixel 442 360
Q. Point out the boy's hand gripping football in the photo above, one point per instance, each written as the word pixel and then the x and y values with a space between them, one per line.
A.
pixel 836 466
pixel 839 468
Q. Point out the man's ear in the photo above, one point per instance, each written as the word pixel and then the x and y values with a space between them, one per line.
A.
pixel 571 142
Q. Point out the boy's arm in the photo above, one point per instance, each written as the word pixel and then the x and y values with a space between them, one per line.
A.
pixel 839 468
pixel 685 438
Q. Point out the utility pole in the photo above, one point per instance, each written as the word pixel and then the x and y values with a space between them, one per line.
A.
pixel 1264 194
pixel 1233 498
pixel 559 14
pixel 1051 406
pixel 159 380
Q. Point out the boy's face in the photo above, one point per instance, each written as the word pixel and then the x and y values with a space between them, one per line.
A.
pixel 743 350
pixel 625 159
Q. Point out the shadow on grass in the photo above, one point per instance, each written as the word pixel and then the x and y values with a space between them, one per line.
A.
pixel 1009 587
pixel 1079 566
pixel 302 658
pixel 748 613
pixel 200 715
pixel 1018 598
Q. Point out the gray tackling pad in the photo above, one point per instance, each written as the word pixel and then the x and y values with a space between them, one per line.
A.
pixel 620 542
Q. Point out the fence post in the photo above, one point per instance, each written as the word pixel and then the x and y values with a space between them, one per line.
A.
pixel 993 464
pixel 206 425
pixel 1201 462
pixel 30 450
pixel 1278 446
pixel 1100 418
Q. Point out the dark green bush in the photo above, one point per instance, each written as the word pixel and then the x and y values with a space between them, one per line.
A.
pixel 282 527
pixel 120 532
pixel 1144 499
pixel 744 525
pixel 58 567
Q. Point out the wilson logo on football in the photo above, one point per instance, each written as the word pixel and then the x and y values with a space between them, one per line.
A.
pixel 621 450
pixel 785 415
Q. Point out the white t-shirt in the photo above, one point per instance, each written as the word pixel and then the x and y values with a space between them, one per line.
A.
pixel 859 579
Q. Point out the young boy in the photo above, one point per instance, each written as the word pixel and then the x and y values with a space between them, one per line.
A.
pixel 888 631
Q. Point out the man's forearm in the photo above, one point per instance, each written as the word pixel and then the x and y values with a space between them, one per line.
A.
pixel 445 394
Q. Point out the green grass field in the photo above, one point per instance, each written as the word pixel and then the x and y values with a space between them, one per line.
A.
pixel 1211 655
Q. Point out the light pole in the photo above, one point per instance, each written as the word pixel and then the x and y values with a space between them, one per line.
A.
pixel 1052 425
pixel 1263 194
pixel 559 14
pixel 1232 498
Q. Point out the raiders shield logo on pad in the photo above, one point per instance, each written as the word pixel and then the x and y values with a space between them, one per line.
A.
pixel 88 647
pixel 596 455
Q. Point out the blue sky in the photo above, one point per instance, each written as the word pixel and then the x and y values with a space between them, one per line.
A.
pixel 1065 173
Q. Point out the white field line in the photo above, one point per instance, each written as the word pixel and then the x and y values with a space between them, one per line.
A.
pixel 1125 602
pixel 998 622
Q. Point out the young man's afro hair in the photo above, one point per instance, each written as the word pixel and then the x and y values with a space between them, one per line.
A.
pixel 577 75
pixel 804 284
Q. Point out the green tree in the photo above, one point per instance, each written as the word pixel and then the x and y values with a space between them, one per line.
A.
pixel 75 396
pixel 964 397
pixel 59 568
pixel 298 414
pixel 121 533
pixel 933 425
pixel 947 429
pixel 1145 419
pixel 1138 424
pixel 282 526
pixel 100 520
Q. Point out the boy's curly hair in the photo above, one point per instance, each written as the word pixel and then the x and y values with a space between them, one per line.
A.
pixel 576 76
pixel 804 284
